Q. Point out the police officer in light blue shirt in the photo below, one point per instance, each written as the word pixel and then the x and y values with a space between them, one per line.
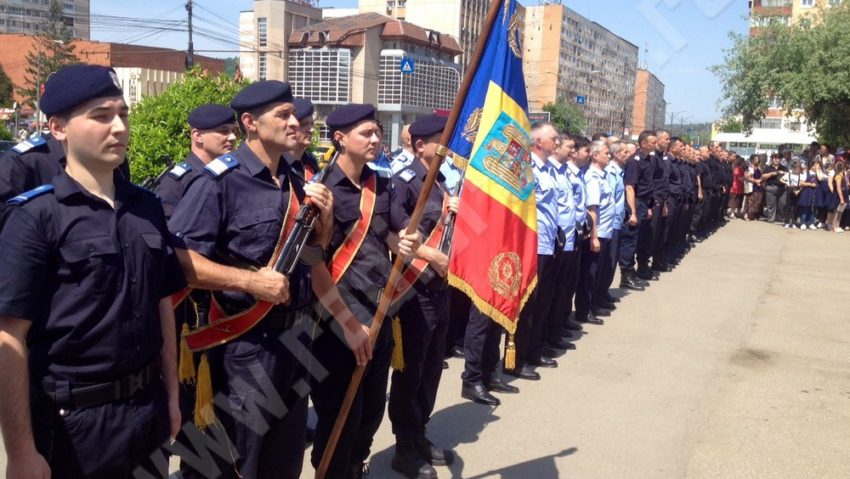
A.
pixel 578 159
pixel 405 156
pixel 452 174
pixel 619 153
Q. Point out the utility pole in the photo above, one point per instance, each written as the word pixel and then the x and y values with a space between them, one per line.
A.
pixel 190 61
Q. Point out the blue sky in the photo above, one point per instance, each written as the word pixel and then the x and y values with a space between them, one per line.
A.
pixel 684 37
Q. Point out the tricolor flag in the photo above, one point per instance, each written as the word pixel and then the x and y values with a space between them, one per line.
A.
pixel 494 249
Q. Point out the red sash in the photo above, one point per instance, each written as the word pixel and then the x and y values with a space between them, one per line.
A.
pixel 309 172
pixel 414 270
pixel 222 328
pixel 344 256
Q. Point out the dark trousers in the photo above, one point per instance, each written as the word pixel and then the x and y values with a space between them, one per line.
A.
pixel 629 235
pixel 266 420
pixel 571 279
pixel 459 316
pixel 646 240
pixel 660 224
pixel 413 392
pixel 565 263
pixel 532 321
pixel 102 442
pixel 696 216
pixel 609 264
pixel 672 226
pixel 591 269
pixel 480 348
pixel 367 409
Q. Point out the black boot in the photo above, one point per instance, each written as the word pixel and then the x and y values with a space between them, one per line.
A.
pixel 627 281
pixel 432 454
pixel 358 469
pixel 407 461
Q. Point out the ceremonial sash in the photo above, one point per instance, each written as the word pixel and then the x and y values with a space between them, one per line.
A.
pixel 414 270
pixel 309 172
pixel 344 255
pixel 223 328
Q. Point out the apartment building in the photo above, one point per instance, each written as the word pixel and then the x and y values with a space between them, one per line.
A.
pixel 26 16
pixel 650 108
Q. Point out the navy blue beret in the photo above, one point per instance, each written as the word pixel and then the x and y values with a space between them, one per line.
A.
pixel 210 116
pixel 77 84
pixel 303 108
pixel 428 125
pixel 260 94
pixel 349 115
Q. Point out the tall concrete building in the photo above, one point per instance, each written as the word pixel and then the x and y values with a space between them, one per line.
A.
pixel 650 107
pixel 402 68
pixel 263 32
pixel 26 16
pixel 462 19
pixel 571 57
pixel 784 12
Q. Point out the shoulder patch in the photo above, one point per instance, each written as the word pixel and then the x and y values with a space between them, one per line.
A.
pixel 179 170
pixel 407 175
pixel 26 196
pixel 381 170
pixel 29 144
pixel 221 165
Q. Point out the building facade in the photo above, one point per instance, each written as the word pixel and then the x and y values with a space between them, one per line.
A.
pixel 650 107
pixel 263 32
pixel 784 12
pixel 359 59
pixel 26 16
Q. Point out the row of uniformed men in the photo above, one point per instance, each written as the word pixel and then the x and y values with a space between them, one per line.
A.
pixel 91 261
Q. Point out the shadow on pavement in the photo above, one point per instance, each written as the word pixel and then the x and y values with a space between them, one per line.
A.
pixel 540 468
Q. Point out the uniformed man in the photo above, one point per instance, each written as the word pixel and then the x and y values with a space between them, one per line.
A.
pixel 423 315
pixel 368 223
pixel 675 204
pixel 87 339
pixel 661 191
pixel 576 165
pixel 619 152
pixel 229 224
pixel 637 176
pixel 213 133
pixel 301 161
pixel 404 157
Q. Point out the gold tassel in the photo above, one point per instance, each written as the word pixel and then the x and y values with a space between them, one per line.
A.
pixel 186 366
pixel 398 352
pixel 510 353
pixel 204 412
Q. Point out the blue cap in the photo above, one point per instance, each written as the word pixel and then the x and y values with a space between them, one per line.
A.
pixel 210 115
pixel 303 108
pixel 428 125
pixel 77 84
pixel 350 115
pixel 260 94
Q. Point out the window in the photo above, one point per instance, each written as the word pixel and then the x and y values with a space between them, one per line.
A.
pixel 432 85
pixel 770 123
pixel 775 3
pixel 262 66
pixel 834 3
pixel 321 74
pixel 262 32
pixel 807 3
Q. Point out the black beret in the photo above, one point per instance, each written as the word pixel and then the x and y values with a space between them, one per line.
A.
pixel 303 108
pixel 349 115
pixel 261 93
pixel 428 125
pixel 210 116
pixel 77 84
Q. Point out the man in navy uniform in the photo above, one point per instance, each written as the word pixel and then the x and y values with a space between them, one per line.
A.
pixel 301 161
pixel 637 176
pixel 423 315
pixel 213 133
pixel 661 162
pixel 228 225
pixel 87 339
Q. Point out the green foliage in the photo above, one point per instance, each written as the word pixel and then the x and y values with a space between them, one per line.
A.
pixel 5 134
pixel 158 126
pixel 804 64
pixel 6 89
pixel 732 125
pixel 566 117
pixel 53 50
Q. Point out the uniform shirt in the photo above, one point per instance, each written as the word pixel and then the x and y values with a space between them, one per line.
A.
pixel 298 169
pixel 601 195
pixel 704 174
pixel 687 189
pixel 453 176
pixel 173 185
pixel 401 161
pixel 574 174
pixel 660 176
pixel 369 271
pixel 89 278
pixel 639 173
pixel 545 192
pixel 675 180
pixel 614 174
pixel 566 205
pixel 235 219
pixel 693 194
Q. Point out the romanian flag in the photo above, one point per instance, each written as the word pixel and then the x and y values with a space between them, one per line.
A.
pixel 494 248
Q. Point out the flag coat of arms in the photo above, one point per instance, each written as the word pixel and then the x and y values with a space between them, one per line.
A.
pixel 494 250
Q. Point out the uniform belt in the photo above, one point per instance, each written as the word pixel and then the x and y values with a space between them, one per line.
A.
pixel 90 395
pixel 281 320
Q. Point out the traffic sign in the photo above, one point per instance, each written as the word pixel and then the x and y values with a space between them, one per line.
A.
pixel 581 99
pixel 407 65
pixel 539 116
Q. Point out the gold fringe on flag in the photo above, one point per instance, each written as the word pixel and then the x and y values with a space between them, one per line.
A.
pixel 204 412
pixel 398 352
pixel 510 353
pixel 186 366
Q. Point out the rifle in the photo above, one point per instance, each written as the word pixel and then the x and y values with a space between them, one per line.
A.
pixel 151 182
pixel 449 223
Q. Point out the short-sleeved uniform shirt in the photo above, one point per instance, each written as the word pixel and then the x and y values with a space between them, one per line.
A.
pixel 173 185
pixel 600 195
pixel 453 176
pixel 89 278
pixel 401 161
pixel 566 205
pixel 369 271
pixel 614 174
pixel 639 173
pixel 545 191
pixel 675 180
pixel 660 176
pixel 235 218
pixel 574 174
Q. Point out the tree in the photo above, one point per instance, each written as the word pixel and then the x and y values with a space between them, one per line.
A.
pixel 158 126
pixel 6 89
pixel 566 117
pixel 804 65
pixel 53 50
pixel 5 134
pixel 731 125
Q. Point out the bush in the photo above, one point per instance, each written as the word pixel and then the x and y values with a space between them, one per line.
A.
pixel 5 134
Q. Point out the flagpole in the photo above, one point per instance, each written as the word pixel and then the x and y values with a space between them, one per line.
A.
pixel 412 227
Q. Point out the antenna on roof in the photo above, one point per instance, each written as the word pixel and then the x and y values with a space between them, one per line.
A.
pixel 645 64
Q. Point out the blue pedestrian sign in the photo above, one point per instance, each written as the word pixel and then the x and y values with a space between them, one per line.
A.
pixel 581 99
pixel 407 65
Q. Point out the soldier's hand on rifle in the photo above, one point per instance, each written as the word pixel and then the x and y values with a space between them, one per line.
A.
pixel 322 198
pixel 269 285
pixel 357 337
pixel 454 202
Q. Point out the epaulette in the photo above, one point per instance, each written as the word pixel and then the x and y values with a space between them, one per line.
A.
pixel 29 144
pixel 179 170
pixel 26 196
pixel 382 171
pixel 407 175
pixel 221 165
pixel 399 164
